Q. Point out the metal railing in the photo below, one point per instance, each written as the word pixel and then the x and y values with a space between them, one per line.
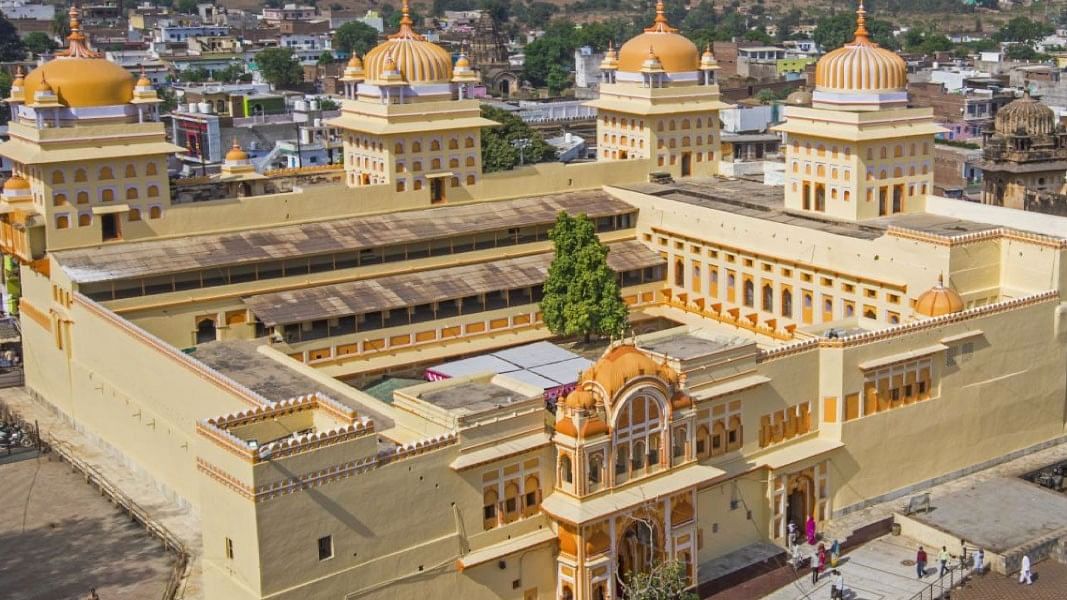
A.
pixel 95 478
pixel 941 588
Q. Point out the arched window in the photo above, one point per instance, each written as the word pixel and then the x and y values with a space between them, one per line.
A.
pixel 416 166
pixel 820 171
pixel 453 163
pixel 768 297
pixel 62 222
pixel 435 145
pixel 399 148
pixel 134 215
pixel 470 161
pixel 531 496
pixel 638 458
pixel 679 273
pixel 79 175
pixel 155 212
pixel 718 438
pixel 453 144
pixel 898 172
pixel 566 470
pixel 453 182
pixel 107 195
pixel 57 177
pixel 150 169
pixel 734 434
pixel 787 303
pixel 205 331
pixel 83 197
pixel 678 441
pixel 435 164
pixel 416 147
pixel 418 184
pixel 870 153
pixel 596 471
pixel 749 294
pixel 882 174
pixel 85 219
pixel 153 191
pixel 400 186
pixel 131 171
pixel 685 123
pixel 898 151
pixel 131 193
pixel 883 152
pixel 511 501
pixel 470 179
pixel 703 442
pixel 106 173
pixel 59 199
pixel 469 143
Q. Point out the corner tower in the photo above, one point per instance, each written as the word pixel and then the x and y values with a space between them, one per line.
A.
pixel 408 117
pixel 858 152
pixel 659 101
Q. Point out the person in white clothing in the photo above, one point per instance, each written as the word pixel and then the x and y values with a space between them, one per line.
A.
pixel 1025 576
pixel 979 561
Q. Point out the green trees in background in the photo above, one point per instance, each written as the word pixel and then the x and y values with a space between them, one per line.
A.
pixel 581 293
pixel 279 67
pixel 499 153
pixel 355 36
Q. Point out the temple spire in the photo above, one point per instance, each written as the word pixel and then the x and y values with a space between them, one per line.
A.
pixel 861 24
pixel 406 31
pixel 661 25
pixel 77 46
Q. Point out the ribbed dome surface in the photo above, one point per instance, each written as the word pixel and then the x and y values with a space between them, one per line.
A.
pixel 418 60
pixel 80 77
pixel 861 65
pixel 1026 116
pixel 800 97
pixel 675 52
pixel 939 300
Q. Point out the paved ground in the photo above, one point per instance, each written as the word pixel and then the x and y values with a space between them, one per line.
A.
pixel 142 489
pixel 977 514
pixel 1050 583
pixel 874 571
pixel 58 537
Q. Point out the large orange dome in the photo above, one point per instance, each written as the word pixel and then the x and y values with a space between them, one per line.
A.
pixel 79 76
pixel 418 60
pixel 861 65
pixel 675 52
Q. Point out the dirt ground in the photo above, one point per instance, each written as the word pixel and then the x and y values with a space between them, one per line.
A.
pixel 59 536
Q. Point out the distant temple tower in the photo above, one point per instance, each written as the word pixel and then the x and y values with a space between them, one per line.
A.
pixel 409 119
pixel 659 100
pixel 858 152
pixel 1026 150
pixel 488 53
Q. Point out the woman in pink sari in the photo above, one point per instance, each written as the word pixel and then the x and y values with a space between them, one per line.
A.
pixel 809 529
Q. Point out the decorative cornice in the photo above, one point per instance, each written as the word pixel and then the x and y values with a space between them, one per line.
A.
pixel 1045 241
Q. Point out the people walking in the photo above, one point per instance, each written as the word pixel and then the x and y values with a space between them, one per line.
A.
pixel 814 571
pixel 835 554
pixel 979 561
pixel 822 558
pixel 809 529
pixel 920 562
pixel 942 557
pixel 837 586
pixel 792 535
pixel 1025 576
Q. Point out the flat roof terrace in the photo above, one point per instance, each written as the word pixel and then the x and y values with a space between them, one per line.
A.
pixel 155 258
pixel 415 289
pixel 241 361
pixel 754 199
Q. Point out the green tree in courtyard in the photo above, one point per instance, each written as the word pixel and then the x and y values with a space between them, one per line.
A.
pixel 665 581
pixel 279 67
pixel 581 293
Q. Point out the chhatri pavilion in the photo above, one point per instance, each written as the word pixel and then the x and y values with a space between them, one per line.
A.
pixel 806 351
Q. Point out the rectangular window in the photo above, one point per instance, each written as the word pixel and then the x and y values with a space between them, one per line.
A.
pixel 531 497
pixel 489 512
pixel 229 548
pixel 326 547
pixel 509 505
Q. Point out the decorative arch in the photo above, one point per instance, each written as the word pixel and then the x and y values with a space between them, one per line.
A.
pixel 131 171
pixel 79 175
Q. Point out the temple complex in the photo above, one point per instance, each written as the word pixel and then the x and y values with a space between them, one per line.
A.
pixel 810 351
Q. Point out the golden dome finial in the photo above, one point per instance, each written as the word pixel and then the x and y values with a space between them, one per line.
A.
pixel 77 48
pixel 861 34
pixel 660 24
pixel 19 76
pixel 406 32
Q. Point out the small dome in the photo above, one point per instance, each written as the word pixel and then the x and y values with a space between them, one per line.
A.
pixel 861 65
pixel 580 400
pixel 463 73
pixel 622 364
pixel 416 60
pixel 16 183
pixel 652 63
pixel 143 81
pixel 566 426
pixel 799 97
pixel 1025 116
pixel 675 52
pixel 939 300
pixel 79 76
pixel 236 153
pixel 707 60
pixel 611 59
pixel 354 62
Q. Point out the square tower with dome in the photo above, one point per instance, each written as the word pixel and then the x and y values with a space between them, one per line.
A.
pixel 858 152
pixel 659 102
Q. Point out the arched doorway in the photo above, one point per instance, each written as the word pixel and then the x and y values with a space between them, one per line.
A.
pixel 799 502
pixel 205 331
pixel 636 551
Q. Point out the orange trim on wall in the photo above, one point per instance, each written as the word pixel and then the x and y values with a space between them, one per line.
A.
pixel 37 315
pixel 829 409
